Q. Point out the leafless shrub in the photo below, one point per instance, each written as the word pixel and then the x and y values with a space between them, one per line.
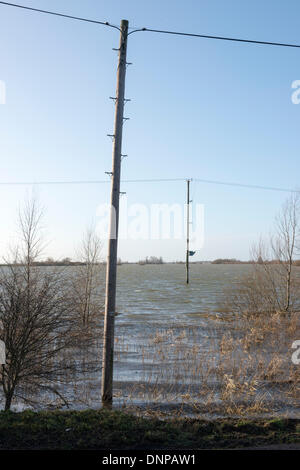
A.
pixel 86 294
pixel 273 285
pixel 37 324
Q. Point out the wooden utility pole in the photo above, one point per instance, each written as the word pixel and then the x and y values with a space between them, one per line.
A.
pixel 188 233
pixel 111 269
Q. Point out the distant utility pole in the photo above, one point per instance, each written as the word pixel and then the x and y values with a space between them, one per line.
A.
pixel 111 269
pixel 188 233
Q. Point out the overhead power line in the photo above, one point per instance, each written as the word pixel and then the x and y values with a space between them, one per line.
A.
pixel 250 186
pixel 152 30
pixel 54 13
pixel 220 38
pixel 150 180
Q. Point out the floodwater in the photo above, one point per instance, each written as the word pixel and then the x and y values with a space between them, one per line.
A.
pixel 159 293
pixel 168 348
pixel 168 337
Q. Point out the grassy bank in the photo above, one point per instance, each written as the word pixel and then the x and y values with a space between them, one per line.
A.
pixel 115 430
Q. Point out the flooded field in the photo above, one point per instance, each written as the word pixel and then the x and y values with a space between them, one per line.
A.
pixel 178 351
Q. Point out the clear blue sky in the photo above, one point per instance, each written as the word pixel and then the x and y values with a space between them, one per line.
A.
pixel 200 108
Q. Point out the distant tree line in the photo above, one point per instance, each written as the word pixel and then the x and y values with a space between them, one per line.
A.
pixel 53 262
pixel 259 260
pixel 152 260
pixel 228 261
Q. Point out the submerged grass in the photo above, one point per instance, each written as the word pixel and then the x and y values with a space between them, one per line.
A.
pixel 236 367
pixel 103 429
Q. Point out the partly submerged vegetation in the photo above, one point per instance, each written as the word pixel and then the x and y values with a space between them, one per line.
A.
pixel 237 366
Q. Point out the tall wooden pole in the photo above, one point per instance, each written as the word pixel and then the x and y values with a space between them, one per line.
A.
pixel 111 269
pixel 188 233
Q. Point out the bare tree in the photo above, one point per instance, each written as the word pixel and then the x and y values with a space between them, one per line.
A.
pixel 284 244
pixel 273 285
pixel 36 323
pixel 86 281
